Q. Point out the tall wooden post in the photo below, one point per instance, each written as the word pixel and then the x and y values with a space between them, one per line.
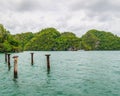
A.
pixel 48 61
pixel 15 67
pixel 32 61
pixel 5 57
pixel 8 61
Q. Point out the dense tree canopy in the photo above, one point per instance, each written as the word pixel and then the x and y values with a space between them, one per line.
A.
pixel 50 39
pixel 7 41
pixel 67 41
pixel 24 38
pixel 44 40
pixel 100 40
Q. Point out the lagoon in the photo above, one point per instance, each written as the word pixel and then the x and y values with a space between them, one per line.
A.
pixel 72 73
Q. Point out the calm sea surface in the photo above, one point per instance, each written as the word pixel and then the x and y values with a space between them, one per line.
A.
pixel 73 73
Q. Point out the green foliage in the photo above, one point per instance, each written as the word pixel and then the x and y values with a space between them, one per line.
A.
pixel 100 40
pixel 44 40
pixel 89 41
pixel 3 34
pixel 67 41
pixel 24 38
pixel 7 41
pixel 7 46
pixel 50 39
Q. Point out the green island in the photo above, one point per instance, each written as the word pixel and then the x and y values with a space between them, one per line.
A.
pixel 50 39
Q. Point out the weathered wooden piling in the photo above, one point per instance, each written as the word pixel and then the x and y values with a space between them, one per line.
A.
pixel 15 67
pixel 32 61
pixel 5 57
pixel 48 61
pixel 8 61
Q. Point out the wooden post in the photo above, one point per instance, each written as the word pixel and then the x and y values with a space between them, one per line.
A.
pixel 32 61
pixel 15 67
pixel 8 61
pixel 5 57
pixel 48 61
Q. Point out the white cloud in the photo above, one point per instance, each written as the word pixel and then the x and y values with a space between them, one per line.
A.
pixel 77 16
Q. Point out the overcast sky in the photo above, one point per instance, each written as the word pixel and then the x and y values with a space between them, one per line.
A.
pixel 76 16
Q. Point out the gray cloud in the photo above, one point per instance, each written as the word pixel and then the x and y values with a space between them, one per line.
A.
pixel 77 16
pixel 105 9
pixel 96 5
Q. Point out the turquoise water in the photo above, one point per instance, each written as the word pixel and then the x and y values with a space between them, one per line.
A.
pixel 77 73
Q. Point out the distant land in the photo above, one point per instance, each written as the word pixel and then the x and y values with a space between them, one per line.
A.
pixel 50 39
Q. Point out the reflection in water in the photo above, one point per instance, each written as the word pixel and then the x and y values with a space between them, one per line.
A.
pixel 48 71
pixel 48 76
pixel 16 85
pixel 87 73
pixel 9 67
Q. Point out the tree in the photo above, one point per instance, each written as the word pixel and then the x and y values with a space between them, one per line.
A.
pixel 7 41
pixel 68 41
pixel 24 38
pixel 44 40
pixel 100 40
